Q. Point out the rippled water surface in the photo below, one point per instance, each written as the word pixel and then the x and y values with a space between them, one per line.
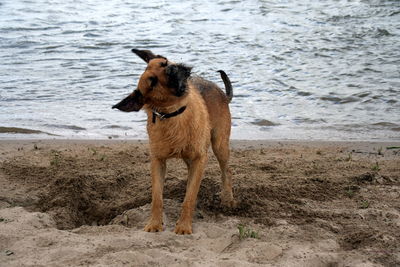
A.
pixel 300 69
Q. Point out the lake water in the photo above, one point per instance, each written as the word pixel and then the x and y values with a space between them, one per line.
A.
pixel 300 69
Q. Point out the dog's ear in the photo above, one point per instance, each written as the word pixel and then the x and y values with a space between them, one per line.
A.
pixel 146 55
pixel 133 102
pixel 177 77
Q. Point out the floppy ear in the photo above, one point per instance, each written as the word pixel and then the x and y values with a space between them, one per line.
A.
pixel 146 55
pixel 177 77
pixel 133 102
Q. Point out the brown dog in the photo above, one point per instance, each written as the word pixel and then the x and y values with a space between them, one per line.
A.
pixel 184 114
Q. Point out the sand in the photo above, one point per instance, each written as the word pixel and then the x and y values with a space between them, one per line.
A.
pixel 85 203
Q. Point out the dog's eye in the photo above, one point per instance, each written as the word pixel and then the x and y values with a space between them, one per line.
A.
pixel 153 81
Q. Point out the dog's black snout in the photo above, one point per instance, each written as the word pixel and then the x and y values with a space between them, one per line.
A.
pixel 133 102
pixel 120 104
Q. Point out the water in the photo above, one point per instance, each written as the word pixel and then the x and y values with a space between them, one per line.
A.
pixel 300 69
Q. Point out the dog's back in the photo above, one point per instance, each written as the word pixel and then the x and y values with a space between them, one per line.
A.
pixel 217 102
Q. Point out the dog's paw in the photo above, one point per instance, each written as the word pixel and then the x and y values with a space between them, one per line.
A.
pixel 183 228
pixel 153 226
pixel 228 201
pixel 230 204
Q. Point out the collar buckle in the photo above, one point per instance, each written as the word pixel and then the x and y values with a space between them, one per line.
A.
pixel 163 116
pixel 159 115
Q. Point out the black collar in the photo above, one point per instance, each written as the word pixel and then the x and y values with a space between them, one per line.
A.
pixel 162 115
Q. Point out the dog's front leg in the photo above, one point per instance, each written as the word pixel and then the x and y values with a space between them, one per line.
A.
pixel 155 223
pixel 196 169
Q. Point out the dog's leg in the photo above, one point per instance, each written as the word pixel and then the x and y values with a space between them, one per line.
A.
pixel 158 168
pixel 196 169
pixel 220 146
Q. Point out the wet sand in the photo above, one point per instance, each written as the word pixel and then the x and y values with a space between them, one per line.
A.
pixel 17 130
pixel 71 203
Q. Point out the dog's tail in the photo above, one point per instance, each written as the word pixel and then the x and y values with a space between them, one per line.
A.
pixel 228 85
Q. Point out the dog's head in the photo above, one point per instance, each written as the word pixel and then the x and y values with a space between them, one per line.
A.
pixel 161 84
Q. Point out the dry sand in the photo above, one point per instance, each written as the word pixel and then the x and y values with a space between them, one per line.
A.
pixel 84 203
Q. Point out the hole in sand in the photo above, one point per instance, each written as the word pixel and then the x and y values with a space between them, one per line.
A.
pixel 97 184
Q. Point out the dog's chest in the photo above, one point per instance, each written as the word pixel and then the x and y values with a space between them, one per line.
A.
pixel 174 138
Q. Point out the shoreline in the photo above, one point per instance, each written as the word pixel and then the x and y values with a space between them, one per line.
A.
pixel 243 133
pixel 369 146
pixel 233 141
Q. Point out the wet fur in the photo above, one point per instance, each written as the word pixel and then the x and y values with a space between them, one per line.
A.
pixel 166 87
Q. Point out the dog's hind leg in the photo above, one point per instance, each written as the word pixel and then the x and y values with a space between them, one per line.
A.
pixel 196 169
pixel 220 146
pixel 158 168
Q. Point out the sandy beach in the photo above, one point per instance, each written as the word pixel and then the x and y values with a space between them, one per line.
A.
pixel 75 185
pixel 85 203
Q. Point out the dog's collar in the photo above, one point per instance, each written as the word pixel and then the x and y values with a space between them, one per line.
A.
pixel 162 115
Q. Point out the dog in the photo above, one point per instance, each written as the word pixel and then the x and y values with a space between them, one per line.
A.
pixel 185 113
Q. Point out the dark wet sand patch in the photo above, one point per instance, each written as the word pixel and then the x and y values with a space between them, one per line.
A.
pixel 21 131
